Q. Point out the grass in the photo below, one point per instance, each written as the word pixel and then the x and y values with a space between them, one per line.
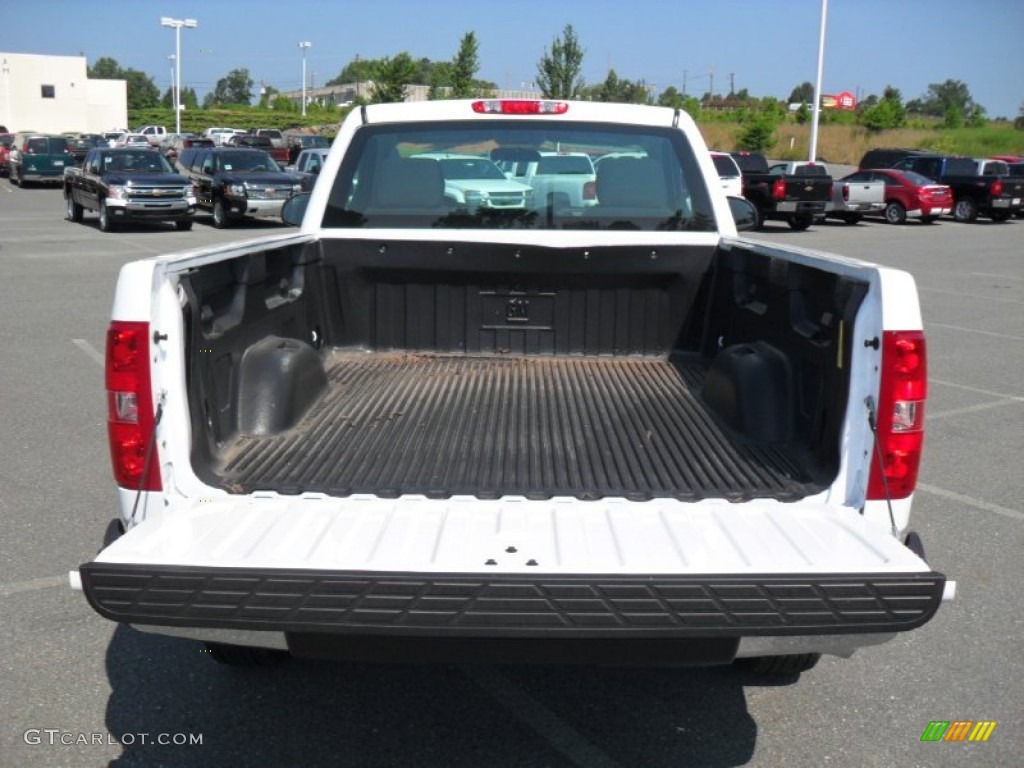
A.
pixel 846 144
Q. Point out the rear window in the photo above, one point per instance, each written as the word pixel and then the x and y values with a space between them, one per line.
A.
pixel 7 141
pixel 996 168
pixel 47 146
pixel 650 180
pixel 272 133
pixel 961 166
pixel 811 170
pixel 751 163
pixel 725 166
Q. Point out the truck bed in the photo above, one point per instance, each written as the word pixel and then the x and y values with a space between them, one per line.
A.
pixel 393 423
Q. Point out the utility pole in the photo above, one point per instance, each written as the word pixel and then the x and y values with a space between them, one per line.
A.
pixel 732 83
pixel 685 73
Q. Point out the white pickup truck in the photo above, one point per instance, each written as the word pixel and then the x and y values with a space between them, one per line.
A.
pixel 415 428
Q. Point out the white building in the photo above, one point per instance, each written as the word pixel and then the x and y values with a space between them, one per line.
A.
pixel 52 94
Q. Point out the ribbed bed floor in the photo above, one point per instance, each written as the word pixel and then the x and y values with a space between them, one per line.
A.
pixel 402 423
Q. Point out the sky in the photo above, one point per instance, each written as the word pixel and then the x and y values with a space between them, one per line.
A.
pixel 766 46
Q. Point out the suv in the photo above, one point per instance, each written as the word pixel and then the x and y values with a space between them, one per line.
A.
pixel 232 182
pixel 885 157
pixel 38 157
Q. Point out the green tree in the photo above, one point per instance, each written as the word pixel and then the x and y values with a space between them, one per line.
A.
pixel 757 132
pixel 802 94
pixel 803 113
pixel 558 72
pixel 167 100
pixel 391 77
pixel 356 71
pixel 887 113
pixel 233 88
pixel 950 100
pixel 284 104
pixel 142 92
pixel 267 97
pixel 464 67
pixel 189 99
pixel 616 89
pixel 1019 122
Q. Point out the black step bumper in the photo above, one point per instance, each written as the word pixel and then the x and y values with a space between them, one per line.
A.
pixel 509 606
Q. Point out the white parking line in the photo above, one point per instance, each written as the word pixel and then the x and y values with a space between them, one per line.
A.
pixel 970 409
pixel 90 350
pixel 975 330
pixel 542 720
pixel 1001 277
pixel 976 390
pixel 971 501
pixel 970 295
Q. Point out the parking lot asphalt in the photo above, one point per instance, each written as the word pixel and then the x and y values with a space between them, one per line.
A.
pixel 76 690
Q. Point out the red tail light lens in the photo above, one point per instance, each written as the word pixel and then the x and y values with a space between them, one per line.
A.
pixel 846 193
pixel 130 406
pixel 520 107
pixel 900 427
pixel 997 188
pixel 590 190
pixel 779 189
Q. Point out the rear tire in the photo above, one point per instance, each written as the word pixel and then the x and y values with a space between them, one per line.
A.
pixel 106 225
pixel 929 219
pixel 852 218
pixel 895 213
pixel 16 178
pixel 183 226
pixel 965 211
pixel 779 666
pixel 74 210
pixel 801 221
pixel 1000 216
pixel 245 656
pixel 758 217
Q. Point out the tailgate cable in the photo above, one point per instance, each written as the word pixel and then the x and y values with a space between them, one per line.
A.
pixel 149 453
pixel 873 424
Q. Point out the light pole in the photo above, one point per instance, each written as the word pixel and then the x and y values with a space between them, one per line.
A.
pixel 177 24
pixel 174 94
pixel 304 46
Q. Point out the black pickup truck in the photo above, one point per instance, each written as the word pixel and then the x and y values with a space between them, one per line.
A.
pixel 974 194
pixel 128 184
pixel 796 198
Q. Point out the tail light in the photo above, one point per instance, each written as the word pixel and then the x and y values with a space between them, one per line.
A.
pixel 779 189
pixel 900 417
pixel 130 406
pixel 997 188
pixel 590 190
pixel 846 193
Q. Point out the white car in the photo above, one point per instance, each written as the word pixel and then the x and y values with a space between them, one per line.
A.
pixel 729 173
pixel 476 182
pixel 131 140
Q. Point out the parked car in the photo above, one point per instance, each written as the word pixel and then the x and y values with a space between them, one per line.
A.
pixel 275 136
pixel 154 133
pixel 886 157
pixel 233 182
pixel 729 173
pixel 475 182
pixel 559 179
pixel 296 142
pixel 909 195
pixel 280 154
pixel 38 157
pixel 132 140
pixel 974 194
pixel 113 135
pixel 6 139
pixel 309 165
pixel 81 143
pixel 176 146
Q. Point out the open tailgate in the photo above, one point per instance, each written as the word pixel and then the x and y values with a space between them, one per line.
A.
pixel 513 567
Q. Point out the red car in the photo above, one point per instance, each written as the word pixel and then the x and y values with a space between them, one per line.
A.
pixel 909 195
pixel 6 139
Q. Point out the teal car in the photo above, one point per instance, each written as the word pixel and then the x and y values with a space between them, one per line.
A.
pixel 39 157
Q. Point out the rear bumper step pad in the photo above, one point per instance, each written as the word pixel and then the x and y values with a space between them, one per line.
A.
pixel 511 605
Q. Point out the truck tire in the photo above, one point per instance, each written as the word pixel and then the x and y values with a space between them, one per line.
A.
pixel 851 218
pixel 220 215
pixel 106 225
pixel 895 213
pixel 245 656
pixel 779 666
pixel 801 221
pixel 1000 216
pixel 184 225
pixel 16 179
pixel 929 219
pixel 74 210
pixel 965 211
pixel 758 217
